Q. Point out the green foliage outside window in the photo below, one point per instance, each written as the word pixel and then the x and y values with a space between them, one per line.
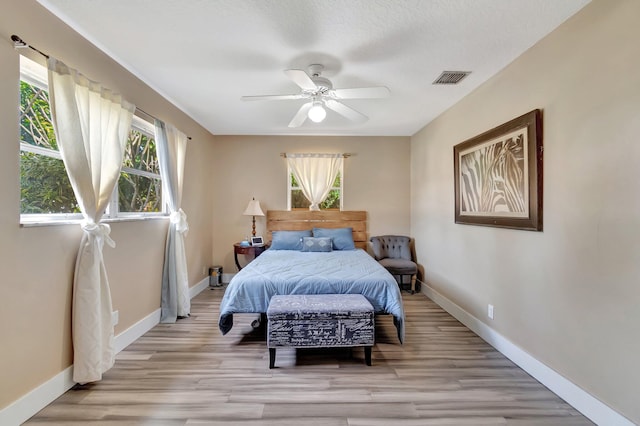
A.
pixel 139 193
pixel 44 185
pixel 35 117
pixel 299 201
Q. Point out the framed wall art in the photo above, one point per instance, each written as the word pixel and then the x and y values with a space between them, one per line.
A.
pixel 498 176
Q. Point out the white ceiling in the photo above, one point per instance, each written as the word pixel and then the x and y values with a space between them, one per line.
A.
pixel 203 55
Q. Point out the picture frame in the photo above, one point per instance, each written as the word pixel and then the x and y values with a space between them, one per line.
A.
pixel 498 175
pixel 257 241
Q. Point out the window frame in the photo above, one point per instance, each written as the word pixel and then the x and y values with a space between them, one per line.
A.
pixel 141 125
pixel 38 79
pixel 290 188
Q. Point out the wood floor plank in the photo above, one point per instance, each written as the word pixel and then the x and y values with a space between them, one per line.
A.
pixel 306 421
pixel 187 373
pixel 449 421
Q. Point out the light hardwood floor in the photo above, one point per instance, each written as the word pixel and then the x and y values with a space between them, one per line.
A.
pixel 189 374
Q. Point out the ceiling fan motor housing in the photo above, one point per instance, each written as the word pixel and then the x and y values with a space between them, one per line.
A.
pixel 323 83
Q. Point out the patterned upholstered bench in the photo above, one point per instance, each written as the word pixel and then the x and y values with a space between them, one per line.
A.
pixel 319 321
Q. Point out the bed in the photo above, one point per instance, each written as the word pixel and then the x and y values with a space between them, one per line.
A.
pixel 289 271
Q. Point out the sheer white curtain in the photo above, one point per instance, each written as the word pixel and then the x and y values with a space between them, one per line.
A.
pixel 315 174
pixel 172 147
pixel 92 126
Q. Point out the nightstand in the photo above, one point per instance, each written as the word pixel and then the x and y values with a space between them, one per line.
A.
pixel 255 251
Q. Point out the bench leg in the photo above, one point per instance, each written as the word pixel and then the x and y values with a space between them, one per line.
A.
pixel 367 355
pixel 272 357
pixel 259 322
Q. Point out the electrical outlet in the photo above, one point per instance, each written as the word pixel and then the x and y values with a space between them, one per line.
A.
pixel 490 311
pixel 115 318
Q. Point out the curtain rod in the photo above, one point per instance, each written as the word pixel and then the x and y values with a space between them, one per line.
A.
pixel 19 43
pixel 153 117
pixel 345 155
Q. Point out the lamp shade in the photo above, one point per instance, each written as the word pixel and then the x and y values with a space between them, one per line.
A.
pixel 253 209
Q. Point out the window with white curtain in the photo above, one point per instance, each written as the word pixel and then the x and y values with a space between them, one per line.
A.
pixel 139 189
pixel 297 200
pixel 45 191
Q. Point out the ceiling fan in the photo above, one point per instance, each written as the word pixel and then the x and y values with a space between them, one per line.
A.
pixel 320 93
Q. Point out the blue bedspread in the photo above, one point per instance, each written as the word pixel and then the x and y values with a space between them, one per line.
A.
pixel 294 272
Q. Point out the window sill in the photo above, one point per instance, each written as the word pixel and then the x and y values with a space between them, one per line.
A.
pixel 35 222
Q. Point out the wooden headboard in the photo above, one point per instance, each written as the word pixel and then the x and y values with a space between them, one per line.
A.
pixel 299 220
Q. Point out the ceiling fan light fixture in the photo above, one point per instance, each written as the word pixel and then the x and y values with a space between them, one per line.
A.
pixel 320 96
pixel 317 113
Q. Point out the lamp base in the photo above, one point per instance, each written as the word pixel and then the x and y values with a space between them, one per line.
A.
pixel 253 227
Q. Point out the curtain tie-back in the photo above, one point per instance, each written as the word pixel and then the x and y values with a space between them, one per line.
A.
pixel 179 218
pixel 100 231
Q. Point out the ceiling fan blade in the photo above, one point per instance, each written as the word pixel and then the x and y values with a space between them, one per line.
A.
pixel 362 93
pixel 346 111
pixel 271 97
pixel 301 115
pixel 302 79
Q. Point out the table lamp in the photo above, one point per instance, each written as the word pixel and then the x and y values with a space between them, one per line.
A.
pixel 253 209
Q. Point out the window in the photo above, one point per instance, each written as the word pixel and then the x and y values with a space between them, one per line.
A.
pixel 297 200
pixel 44 185
pixel 139 188
pixel 45 190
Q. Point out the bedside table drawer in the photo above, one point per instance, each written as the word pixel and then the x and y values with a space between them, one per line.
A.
pixel 244 250
pixel 254 251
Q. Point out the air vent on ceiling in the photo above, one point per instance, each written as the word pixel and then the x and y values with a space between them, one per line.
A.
pixel 451 77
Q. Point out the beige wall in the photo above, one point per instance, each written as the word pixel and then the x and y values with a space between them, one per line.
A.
pixel 376 179
pixel 569 296
pixel 37 263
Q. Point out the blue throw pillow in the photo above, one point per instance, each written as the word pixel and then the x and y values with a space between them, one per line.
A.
pixel 288 240
pixel 342 237
pixel 317 244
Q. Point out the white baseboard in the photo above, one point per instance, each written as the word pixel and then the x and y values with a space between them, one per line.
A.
pixel 580 399
pixel 29 404
pixel 132 333
pixel 197 289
